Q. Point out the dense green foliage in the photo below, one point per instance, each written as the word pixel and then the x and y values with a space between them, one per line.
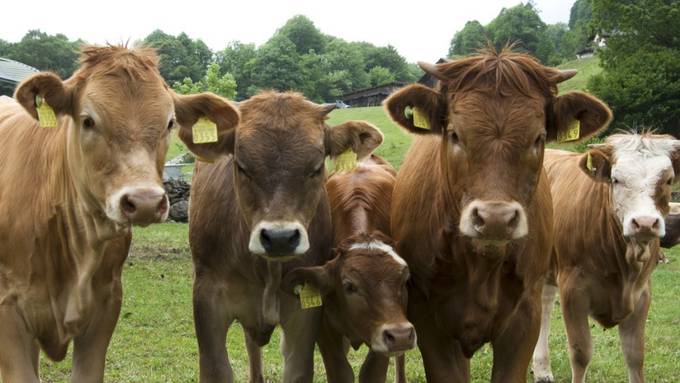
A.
pixel 180 56
pixel 213 81
pixel 522 25
pixel 641 64
pixel 43 51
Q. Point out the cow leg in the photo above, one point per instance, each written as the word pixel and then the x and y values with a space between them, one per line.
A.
pixel 374 368
pixel 632 336
pixel 212 320
pixel 512 349
pixel 17 354
pixel 400 369
pixel 89 348
pixel 333 347
pixel 254 360
pixel 300 331
pixel 575 309
pixel 541 365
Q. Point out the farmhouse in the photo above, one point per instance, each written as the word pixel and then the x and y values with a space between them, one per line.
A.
pixel 372 96
pixel 11 73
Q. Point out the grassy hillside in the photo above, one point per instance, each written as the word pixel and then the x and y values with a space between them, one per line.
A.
pixel 586 68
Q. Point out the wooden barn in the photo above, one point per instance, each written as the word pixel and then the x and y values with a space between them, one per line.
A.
pixel 11 73
pixel 372 96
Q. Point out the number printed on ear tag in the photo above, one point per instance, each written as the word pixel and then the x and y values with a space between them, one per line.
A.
pixel 204 131
pixel 420 120
pixel 46 116
pixel 572 133
pixel 309 296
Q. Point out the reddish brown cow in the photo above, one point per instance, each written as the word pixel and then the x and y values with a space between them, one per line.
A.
pixel 258 213
pixel 471 211
pixel 68 196
pixel 364 286
pixel 610 205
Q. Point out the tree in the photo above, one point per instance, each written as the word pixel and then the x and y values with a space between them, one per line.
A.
pixel 47 52
pixel 379 76
pixel 641 64
pixel 4 48
pixel 180 56
pixel 277 65
pixel 302 32
pixel 387 58
pixel 522 25
pixel 466 41
pixel 213 81
pixel 238 59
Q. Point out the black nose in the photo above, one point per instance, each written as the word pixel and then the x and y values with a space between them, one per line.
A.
pixel 280 241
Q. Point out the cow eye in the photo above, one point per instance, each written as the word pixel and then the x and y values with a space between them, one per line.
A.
pixel 349 287
pixel 240 168
pixel 171 123
pixel 88 122
pixel 670 181
pixel 615 181
pixel 539 140
pixel 318 171
pixel 453 137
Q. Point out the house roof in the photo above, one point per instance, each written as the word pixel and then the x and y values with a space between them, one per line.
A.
pixel 13 71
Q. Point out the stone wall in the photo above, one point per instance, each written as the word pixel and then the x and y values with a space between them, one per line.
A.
pixel 178 194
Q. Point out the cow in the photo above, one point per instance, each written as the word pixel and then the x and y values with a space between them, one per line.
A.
pixel 69 195
pixel 258 211
pixel 672 221
pixel 364 285
pixel 471 210
pixel 609 208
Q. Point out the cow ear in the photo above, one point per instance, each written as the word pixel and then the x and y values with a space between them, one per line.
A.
pixel 592 114
pixel 359 136
pixel 189 108
pixel 412 104
pixel 48 86
pixel 597 163
pixel 317 276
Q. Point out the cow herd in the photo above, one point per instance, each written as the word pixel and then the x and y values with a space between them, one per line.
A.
pixel 467 244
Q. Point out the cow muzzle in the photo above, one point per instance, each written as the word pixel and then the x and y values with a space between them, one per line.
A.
pixel 645 228
pixel 394 339
pixel 494 220
pixel 278 240
pixel 138 205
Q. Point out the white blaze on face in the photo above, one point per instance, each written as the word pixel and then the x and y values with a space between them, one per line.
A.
pixel 379 246
pixel 639 167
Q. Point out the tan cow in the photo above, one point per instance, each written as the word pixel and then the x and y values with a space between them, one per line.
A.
pixel 672 236
pixel 471 211
pixel 257 213
pixel 609 208
pixel 68 196
pixel 364 286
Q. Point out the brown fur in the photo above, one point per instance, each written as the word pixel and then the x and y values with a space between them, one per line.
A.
pixel 672 236
pixel 269 173
pixel 61 255
pixel 489 116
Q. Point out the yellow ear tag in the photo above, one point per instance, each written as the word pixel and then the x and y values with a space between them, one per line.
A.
pixel 420 120
pixel 572 133
pixel 204 131
pixel 589 164
pixel 46 116
pixel 309 296
pixel 346 161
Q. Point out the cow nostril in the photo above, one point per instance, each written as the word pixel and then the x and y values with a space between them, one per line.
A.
pixel 127 205
pixel 294 239
pixel 477 219
pixel 163 205
pixel 635 224
pixel 265 239
pixel 514 220
pixel 655 225
pixel 389 338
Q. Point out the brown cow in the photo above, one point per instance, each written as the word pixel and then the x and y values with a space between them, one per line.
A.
pixel 672 236
pixel 610 205
pixel 258 213
pixel 471 211
pixel 364 286
pixel 68 196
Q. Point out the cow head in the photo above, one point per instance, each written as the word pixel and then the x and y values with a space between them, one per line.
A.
pixel 118 114
pixel 279 151
pixel 640 170
pixel 494 113
pixel 364 293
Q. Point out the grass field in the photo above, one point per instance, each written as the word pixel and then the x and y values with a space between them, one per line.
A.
pixel 154 340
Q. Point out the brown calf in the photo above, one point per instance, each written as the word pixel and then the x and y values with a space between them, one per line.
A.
pixel 609 208
pixel 263 204
pixel 471 211
pixel 364 286
pixel 68 196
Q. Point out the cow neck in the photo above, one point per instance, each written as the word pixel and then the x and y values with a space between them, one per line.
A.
pixel 83 232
